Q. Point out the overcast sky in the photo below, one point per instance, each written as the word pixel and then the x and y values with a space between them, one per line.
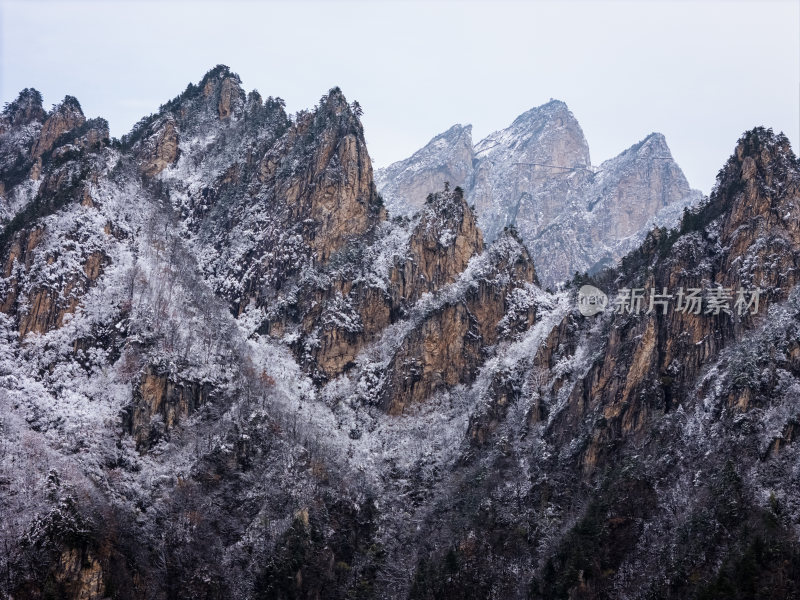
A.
pixel 699 72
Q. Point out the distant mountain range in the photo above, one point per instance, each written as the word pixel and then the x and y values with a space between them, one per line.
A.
pixel 537 176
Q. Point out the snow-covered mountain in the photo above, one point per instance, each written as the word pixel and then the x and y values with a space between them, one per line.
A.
pixel 537 176
pixel 448 157
pixel 225 372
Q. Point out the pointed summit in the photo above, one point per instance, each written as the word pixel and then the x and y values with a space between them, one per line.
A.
pixel 536 175
pixel 440 246
pixel 26 108
pixel 447 157
pixel 540 148
pixel 746 193
pixel 548 134
pixel 64 116
pixel 334 106
pixel 553 108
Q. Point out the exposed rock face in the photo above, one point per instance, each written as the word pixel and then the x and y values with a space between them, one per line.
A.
pixel 162 149
pixel 633 187
pixel 225 88
pixel 67 145
pixel 352 309
pixel 230 97
pixel 452 340
pixel 81 575
pixel 47 305
pixel 28 136
pixel 447 158
pixel 336 190
pixel 25 109
pixel 441 245
pixel 758 248
pixel 66 116
pixel 607 215
pixel 526 163
pixel 171 402
pixel 537 175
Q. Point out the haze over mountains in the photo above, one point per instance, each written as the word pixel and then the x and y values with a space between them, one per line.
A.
pixel 537 176
pixel 227 372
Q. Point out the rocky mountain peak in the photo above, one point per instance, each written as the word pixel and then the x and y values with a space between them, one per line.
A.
pixel 65 116
pixel 760 156
pixel 536 175
pixel 456 132
pixel 549 133
pixel 218 74
pixel 446 142
pixel 442 243
pixel 756 198
pixel 218 96
pixel 223 90
pixel 456 135
pixel 447 157
pixel 445 207
pixel 25 108
pixel 744 189
pixel 523 173
pixel 334 102
pixel 34 142
pixel 653 145
pixel 334 114
pixel 553 110
pixel 69 104
pixel 336 190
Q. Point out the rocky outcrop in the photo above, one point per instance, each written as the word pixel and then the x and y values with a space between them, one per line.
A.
pixel 64 117
pixel 441 353
pixel 229 97
pixel 32 140
pixel 453 339
pixel 161 150
pixel 341 320
pixel 333 193
pixel 346 315
pixel 307 198
pixel 343 317
pixel 159 404
pixel 25 109
pixel 45 305
pixel 443 242
pixel 224 87
pixel 447 158
pixel 38 301
pixel 80 575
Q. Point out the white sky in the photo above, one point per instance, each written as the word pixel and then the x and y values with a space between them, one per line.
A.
pixel 699 72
